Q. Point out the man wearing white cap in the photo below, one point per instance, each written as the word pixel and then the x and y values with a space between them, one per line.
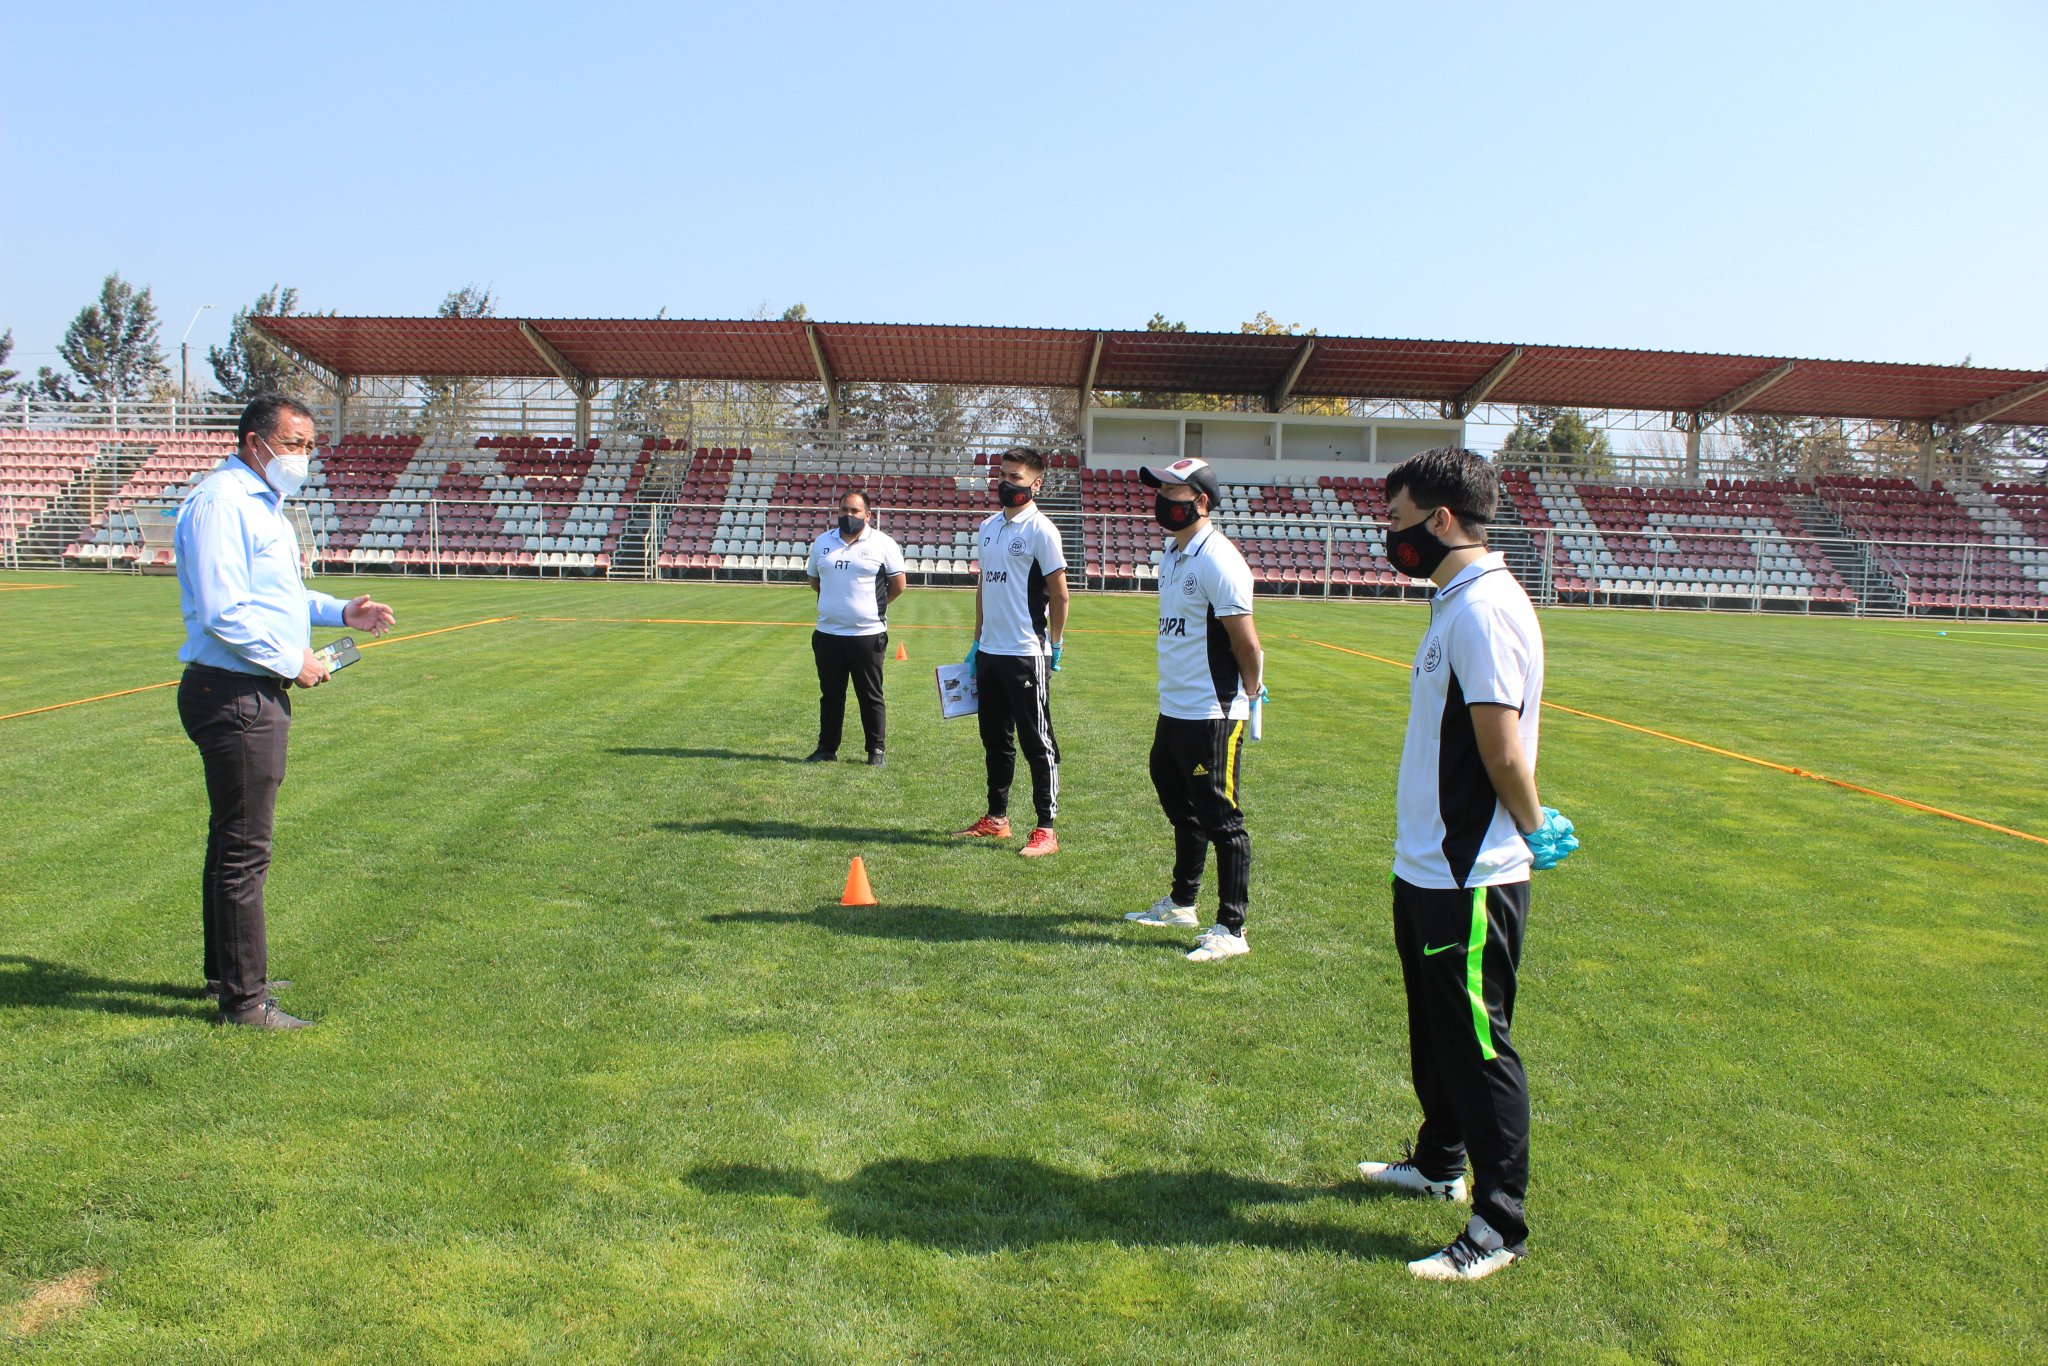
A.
pixel 1211 677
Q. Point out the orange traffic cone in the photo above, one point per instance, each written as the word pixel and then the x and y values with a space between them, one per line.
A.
pixel 857 893
pixel 902 655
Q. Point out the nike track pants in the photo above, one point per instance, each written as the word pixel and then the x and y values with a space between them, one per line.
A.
pixel 1459 949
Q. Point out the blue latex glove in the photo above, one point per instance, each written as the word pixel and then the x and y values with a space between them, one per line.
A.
pixel 1057 650
pixel 1553 841
pixel 973 670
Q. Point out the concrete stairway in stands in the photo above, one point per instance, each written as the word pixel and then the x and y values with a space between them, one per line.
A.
pixel 1524 556
pixel 1060 500
pixel 1875 592
pixel 630 559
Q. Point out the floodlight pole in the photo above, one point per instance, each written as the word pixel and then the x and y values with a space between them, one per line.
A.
pixel 185 363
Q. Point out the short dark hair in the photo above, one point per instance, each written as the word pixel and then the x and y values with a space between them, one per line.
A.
pixel 867 504
pixel 1450 477
pixel 1029 456
pixel 262 414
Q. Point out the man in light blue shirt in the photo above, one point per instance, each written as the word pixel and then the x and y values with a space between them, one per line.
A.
pixel 249 622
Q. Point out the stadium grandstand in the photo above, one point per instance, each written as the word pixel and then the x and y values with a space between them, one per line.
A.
pixel 494 446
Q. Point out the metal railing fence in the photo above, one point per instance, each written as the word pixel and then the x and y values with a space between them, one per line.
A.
pixel 1291 555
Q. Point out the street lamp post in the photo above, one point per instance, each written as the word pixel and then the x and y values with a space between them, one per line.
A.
pixel 185 364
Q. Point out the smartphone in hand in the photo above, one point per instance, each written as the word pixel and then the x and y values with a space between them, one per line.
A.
pixel 339 654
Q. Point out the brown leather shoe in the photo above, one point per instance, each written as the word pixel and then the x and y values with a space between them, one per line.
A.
pixel 266 1016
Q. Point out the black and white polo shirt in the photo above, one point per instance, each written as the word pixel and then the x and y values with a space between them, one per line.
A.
pixel 1017 554
pixel 1483 645
pixel 853 581
pixel 1198 587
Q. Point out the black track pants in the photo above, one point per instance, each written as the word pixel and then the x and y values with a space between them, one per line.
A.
pixel 1198 773
pixel 1016 698
pixel 1459 950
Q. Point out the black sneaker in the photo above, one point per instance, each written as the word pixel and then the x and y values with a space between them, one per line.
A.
pixel 877 759
pixel 820 756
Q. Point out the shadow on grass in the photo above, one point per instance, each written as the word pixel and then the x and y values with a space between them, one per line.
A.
pixel 647 752
pixel 829 834
pixel 942 924
pixel 978 1204
pixel 34 982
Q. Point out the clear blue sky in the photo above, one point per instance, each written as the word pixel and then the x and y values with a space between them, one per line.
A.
pixel 1857 180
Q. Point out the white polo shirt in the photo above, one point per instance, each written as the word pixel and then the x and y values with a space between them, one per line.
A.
pixel 1198 678
pixel 1016 557
pixel 1483 645
pixel 853 581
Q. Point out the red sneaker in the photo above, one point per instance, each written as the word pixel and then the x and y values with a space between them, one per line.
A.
pixel 1041 843
pixel 988 827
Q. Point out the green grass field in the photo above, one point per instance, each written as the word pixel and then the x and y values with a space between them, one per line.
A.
pixel 604 1072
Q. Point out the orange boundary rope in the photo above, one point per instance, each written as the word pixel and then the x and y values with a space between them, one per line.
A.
pixel 807 625
pixel 152 687
pixel 1906 802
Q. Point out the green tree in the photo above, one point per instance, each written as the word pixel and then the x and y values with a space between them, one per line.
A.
pixel 7 377
pixel 1172 402
pixel 111 349
pixel 1261 324
pixel 447 405
pixel 248 365
pixel 1558 439
pixel 1777 447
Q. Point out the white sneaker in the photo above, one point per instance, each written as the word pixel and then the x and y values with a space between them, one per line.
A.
pixel 1166 912
pixel 1217 942
pixel 1473 1255
pixel 1403 1177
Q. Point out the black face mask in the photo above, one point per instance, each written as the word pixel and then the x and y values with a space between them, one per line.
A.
pixel 1416 552
pixel 851 526
pixel 1013 495
pixel 1175 514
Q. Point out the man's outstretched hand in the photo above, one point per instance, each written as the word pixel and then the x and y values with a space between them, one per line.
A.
pixel 366 614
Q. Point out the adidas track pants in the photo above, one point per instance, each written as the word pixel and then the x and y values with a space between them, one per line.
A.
pixel 1197 772
pixel 1016 696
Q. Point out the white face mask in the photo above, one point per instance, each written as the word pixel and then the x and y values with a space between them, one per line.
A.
pixel 286 473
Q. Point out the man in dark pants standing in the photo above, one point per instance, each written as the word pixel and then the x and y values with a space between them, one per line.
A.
pixel 856 571
pixel 248 636
pixel 1020 618
pixel 1469 828
pixel 1210 677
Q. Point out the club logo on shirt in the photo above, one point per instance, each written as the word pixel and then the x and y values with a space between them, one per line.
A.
pixel 1433 656
pixel 1190 584
pixel 1017 545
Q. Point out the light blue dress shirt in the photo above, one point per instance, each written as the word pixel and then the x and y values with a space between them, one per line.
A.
pixel 246 608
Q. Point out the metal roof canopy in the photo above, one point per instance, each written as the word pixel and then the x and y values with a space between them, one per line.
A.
pixel 1457 375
